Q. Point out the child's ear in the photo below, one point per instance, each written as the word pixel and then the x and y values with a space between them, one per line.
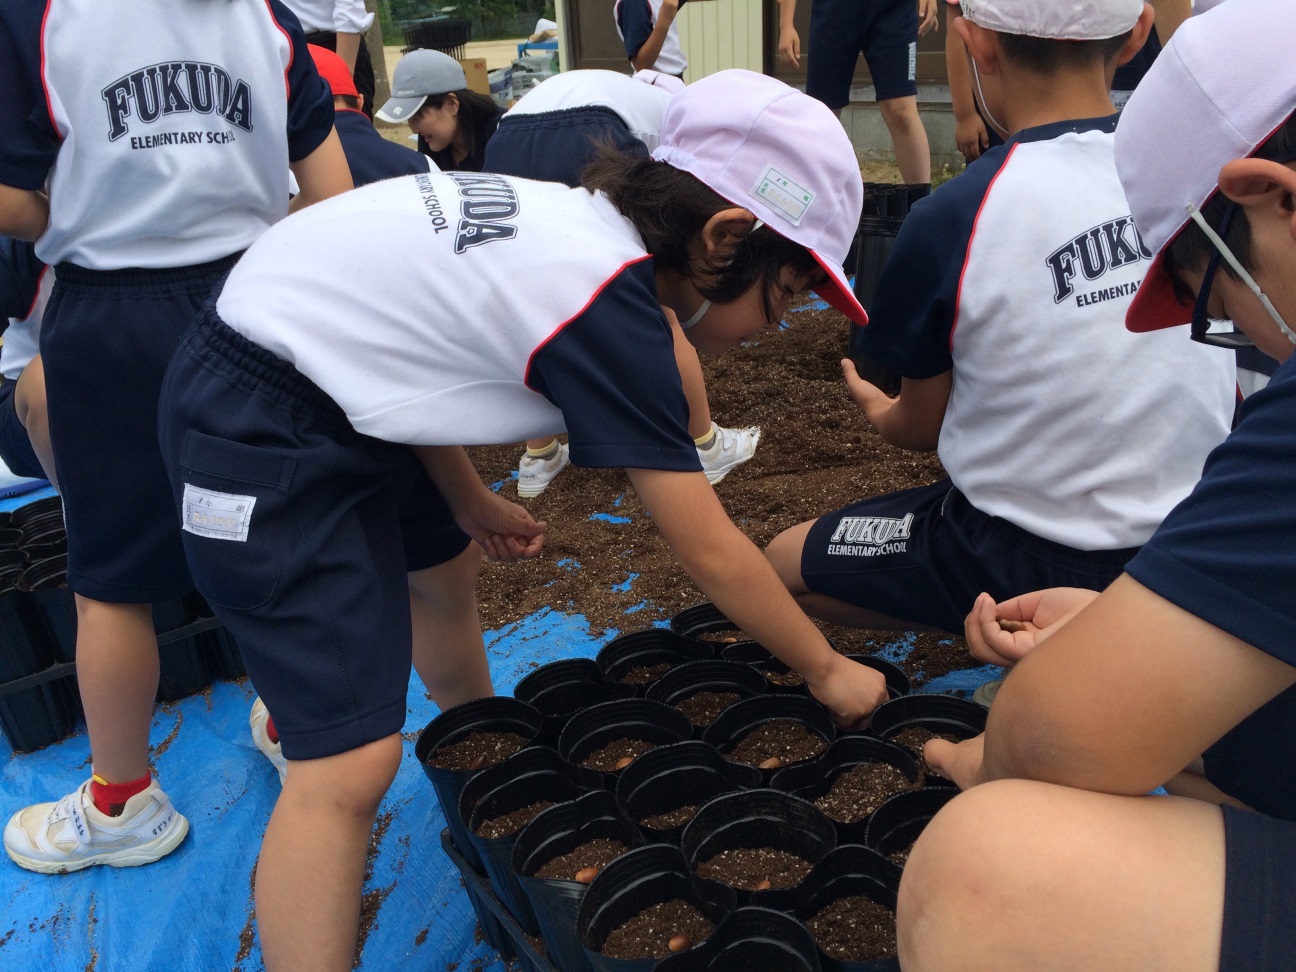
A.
pixel 1248 181
pixel 982 44
pixel 1138 37
pixel 724 231
pixel 452 103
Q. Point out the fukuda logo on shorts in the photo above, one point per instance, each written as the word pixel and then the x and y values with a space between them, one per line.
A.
pixel 1095 252
pixel 487 201
pixel 870 536
pixel 174 88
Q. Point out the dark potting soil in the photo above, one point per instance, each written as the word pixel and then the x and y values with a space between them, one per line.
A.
pixel 704 708
pixel 856 929
pixel 671 818
pixel 651 933
pixel 755 868
pixel 816 454
pixel 901 857
pixel 914 738
pixel 607 759
pixel 478 750
pixel 643 674
pixel 512 822
pixel 781 739
pixel 861 790
pixel 729 636
pixel 596 854
pixel 784 679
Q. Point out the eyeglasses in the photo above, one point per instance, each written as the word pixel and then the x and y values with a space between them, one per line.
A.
pixel 1201 319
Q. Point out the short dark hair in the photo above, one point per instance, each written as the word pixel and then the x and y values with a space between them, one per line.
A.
pixel 669 207
pixel 1041 55
pixel 348 101
pixel 1191 248
pixel 475 111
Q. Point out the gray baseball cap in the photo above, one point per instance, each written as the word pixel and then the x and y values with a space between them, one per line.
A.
pixel 419 74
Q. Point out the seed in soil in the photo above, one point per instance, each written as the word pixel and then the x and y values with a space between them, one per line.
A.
pixel 915 737
pixel 679 943
pixel 749 867
pixel 671 818
pixel 789 741
pixel 591 856
pixel 784 679
pixel 855 929
pixel 704 708
pixel 649 933
pixel 477 750
pixel 643 674
pixel 729 636
pixel 511 823
pixel 608 759
pixel 860 790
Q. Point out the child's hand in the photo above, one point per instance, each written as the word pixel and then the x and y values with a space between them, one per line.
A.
pixel 928 17
pixel 871 399
pixel 850 691
pixel 1002 634
pixel 971 136
pixel 789 47
pixel 964 762
pixel 504 530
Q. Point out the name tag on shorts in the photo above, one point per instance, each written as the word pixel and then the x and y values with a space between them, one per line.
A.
pixel 221 516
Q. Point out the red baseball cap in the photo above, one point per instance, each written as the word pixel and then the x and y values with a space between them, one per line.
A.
pixel 334 71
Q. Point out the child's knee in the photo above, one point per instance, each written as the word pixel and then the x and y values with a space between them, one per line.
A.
pixel 352 783
pixel 784 555
pixel 900 114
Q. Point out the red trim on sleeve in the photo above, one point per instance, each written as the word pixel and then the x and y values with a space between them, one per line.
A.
pixel 967 257
pixel 526 378
pixel 49 102
pixel 291 52
pixel 40 279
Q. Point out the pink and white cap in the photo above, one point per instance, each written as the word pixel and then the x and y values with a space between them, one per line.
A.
pixel 775 151
pixel 1055 19
pixel 1224 84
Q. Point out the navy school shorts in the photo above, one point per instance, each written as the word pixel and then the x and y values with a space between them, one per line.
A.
pixel 923 555
pixel 106 339
pixel 1259 893
pixel 884 31
pixel 299 531
pixel 555 146
pixel 15 445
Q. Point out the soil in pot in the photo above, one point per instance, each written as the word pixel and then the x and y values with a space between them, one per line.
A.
pixel 854 929
pixel 616 755
pixel 914 738
pixel 901 856
pixel 755 868
pixel 477 750
pixel 584 862
pixel 659 930
pixel 780 740
pixel 789 679
pixel 704 708
pixel 671 818
pixel 861 790
pixel 644 674
pixel 513 821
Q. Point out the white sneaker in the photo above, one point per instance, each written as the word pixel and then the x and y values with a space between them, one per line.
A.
pixel 54 838
pixel 731 448
pixel 257 720
pixel 534 475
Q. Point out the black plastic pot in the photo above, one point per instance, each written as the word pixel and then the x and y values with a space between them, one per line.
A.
pixel 754 819
pixel 898 822
pixel 688 680
pixel 561 689
pixel 746 653
pixel 939 713
pixel 42 528
pixel 777 668
pixel 593 728
pixel 11 560
pixel 750 938
pixel 220 652
pixel 182 669
pixel 525 778
pixel 23 651
pixel 557 831
pixel 10 538
pixel 700 619
pixel 497 714
pixel 896 680
pixel 43 714
pixel 632 883
pixel 52 617
pixel 674 776
pixel 847 872
pixel 814 778
pixel 738 720
pixel 655 646
pixel 31 511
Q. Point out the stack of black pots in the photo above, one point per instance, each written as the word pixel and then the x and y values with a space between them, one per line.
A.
pixel 39 703
pixel 560 847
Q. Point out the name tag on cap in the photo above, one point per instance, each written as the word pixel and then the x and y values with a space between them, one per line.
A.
pixel 783 194
pixel 220 516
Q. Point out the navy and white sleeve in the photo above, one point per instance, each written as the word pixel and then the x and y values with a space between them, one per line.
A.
pixel 310 102
pixel 611 371
pixel 29 141
pixel 635 18
pixel 20 277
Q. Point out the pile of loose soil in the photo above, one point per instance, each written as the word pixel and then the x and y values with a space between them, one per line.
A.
pixel 653 932
pixel 816 454
pixel 671 818
pixel 855 929
pixel 616 755
pixel 512 822
pixel 704 708
pixel 478 750
pixel 861 790
pixel 592 856
pixel 779 739
pixel 755 868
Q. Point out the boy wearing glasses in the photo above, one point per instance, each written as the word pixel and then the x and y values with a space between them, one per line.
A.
pixel 1066 439
pixel 1060 862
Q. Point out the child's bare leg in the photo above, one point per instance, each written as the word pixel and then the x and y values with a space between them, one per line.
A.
pixel 449 654
pixel 117 669
pixel 908 138
pixel 1022 875
pixel 312 863
pixel 29 404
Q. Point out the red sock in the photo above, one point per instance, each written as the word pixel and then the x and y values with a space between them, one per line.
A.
pixel 271 733
pixel 110 798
